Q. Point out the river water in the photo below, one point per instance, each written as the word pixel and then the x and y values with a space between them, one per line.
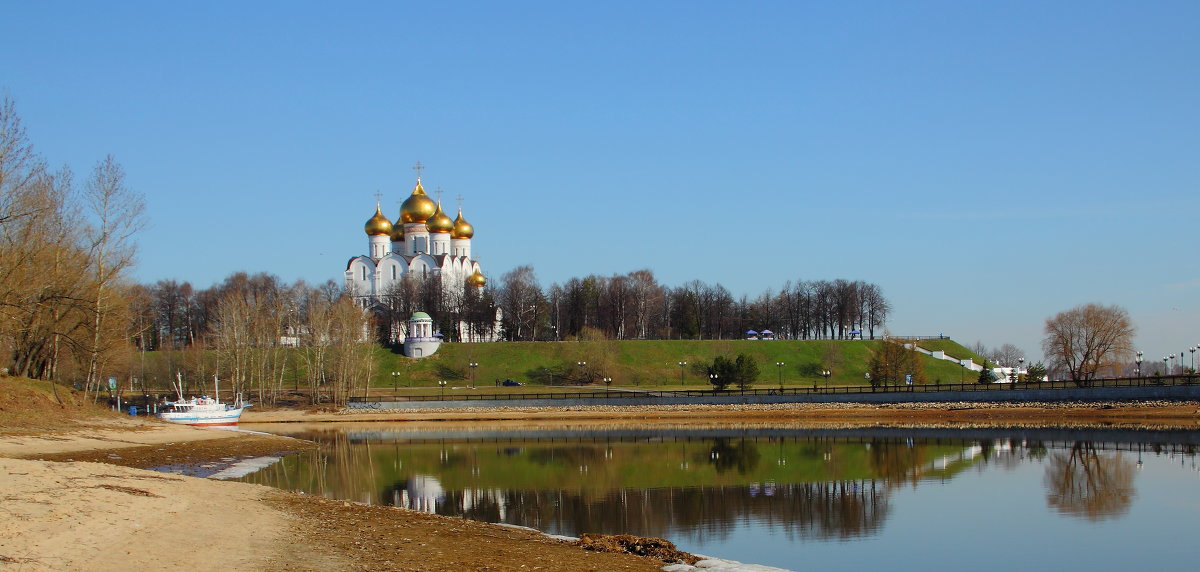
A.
pixel 800 499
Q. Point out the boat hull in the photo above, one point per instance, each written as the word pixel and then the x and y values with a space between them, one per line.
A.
pixel 203 419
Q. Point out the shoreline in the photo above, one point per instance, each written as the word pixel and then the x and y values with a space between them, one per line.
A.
pixel 55 504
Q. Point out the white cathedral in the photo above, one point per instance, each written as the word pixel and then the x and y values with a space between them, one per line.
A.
pixel 423 243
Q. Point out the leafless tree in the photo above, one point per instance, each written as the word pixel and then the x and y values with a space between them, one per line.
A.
pixel 117 214
pixel 1088 340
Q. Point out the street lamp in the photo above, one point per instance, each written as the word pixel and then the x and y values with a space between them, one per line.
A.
pixel 826 373
pixel 1172 367
pixel 473 365
pixel 1138 360
pixel 1167 371
pixel 583 364
pixel 779 367
pixel 712 378
pixel 442 392
pixel 395 374
pixel 1020 364
pixel 1193 352
pixel 681 364
pixel 607 383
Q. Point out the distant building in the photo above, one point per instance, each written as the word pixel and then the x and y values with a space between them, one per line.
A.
pixel 421 341
pixel 423 244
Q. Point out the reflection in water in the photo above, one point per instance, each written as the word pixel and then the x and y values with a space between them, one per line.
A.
pixel 1082 482
pixel 686 487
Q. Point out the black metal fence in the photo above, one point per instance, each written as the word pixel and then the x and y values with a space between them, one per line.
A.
pixel 816 389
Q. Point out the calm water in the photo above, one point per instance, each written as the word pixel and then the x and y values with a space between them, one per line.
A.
pixel 798 499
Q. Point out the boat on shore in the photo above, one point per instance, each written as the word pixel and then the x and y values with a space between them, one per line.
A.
pixel 202 411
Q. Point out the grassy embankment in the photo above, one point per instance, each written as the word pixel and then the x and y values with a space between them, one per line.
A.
pixel 651 363
pixel 552 366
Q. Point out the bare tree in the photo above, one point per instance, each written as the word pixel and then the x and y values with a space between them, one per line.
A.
pixel 118 214
pixel 1087 340
pixel 520 296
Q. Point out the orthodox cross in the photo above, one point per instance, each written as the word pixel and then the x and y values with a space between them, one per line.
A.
pixel 378 197
pixel 418 168
pixel 458 200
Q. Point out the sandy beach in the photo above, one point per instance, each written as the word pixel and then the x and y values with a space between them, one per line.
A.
pixel 63 510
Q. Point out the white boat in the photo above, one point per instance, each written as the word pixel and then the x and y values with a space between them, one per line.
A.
pixel 204 410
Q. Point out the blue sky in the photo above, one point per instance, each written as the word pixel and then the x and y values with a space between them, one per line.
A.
pixel 987 164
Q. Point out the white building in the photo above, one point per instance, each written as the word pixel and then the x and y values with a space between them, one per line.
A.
pixel 423 243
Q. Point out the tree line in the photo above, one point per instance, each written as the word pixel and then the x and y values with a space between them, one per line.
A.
pixel 636 306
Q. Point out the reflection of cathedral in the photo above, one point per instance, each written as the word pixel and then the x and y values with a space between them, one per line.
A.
pixel 424 249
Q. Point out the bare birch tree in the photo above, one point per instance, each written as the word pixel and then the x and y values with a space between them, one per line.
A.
pixel 117 214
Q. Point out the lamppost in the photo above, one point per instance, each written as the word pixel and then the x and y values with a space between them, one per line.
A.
pixel 583 364
pixel 442 392
pixel 826 373
pixel 1138 360
pixel 395 374
pixel 1020 364
pixel 607 383
pixel 1167 371
pixel 473 365
pixel 712 378
pixel 1193 352
pixel 779 367
pixel 681 364
pixel 1172 366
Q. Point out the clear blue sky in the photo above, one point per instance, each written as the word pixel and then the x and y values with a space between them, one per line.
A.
pixel 986 163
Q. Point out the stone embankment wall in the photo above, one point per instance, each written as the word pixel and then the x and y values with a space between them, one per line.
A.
pixel 1184 392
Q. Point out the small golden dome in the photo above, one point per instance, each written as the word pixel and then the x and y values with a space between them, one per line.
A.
pixel 476 279
pixel 419 207
pixel 378 224
pixel 440 222
pixel 397 232
pixel 462 228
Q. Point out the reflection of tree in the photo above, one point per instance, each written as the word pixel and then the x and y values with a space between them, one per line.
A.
pixel 744 456
pixel 833 509
pixel 893 461
pixel 1084 483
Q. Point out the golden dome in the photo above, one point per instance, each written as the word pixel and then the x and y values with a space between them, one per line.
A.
pixel 476 279
pixel 378 224
pixel 419 207
pixel 440 222
pixel 397 232
pixel 462 228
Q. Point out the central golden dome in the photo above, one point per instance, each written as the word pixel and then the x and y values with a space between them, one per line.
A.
pixel 419 207
pixel 462 228
pixel 378 224
pixel 440 222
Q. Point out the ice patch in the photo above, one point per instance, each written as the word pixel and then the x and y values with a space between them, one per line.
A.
pixel 244 467
pixel 721 565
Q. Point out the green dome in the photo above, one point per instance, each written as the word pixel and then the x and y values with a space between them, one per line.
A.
pixel 420 316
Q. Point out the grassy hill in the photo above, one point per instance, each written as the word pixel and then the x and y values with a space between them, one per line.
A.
pixel 650 362
pixel 34 406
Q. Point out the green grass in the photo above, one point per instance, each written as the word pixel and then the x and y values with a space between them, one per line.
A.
pixel 647 363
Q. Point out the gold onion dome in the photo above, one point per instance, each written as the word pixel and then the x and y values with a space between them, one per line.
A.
pixel 378 224
pixel 440 222
pixel 419 207
pixel 476 279
pixel 462 228
pixel 397 232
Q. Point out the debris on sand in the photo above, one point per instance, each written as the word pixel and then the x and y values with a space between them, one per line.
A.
pixel 639 545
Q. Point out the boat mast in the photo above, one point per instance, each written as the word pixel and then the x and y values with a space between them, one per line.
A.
pixel 216 388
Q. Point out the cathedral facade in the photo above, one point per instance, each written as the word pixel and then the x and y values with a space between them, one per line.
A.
pixel 423 244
